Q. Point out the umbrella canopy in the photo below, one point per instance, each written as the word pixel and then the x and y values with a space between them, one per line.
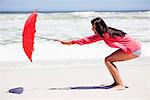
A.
pixel 28 35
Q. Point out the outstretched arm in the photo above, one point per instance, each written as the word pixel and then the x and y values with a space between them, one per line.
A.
pixel 87 40
pixel 82 41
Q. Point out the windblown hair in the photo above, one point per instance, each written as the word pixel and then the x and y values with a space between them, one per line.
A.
pixel 102 28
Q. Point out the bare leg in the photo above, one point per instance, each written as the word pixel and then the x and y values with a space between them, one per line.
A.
pixel 116 56
pixel 114 83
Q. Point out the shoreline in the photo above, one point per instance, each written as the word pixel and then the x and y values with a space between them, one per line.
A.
pixel 67 63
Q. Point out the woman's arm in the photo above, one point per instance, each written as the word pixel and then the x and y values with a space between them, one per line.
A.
pixel 85 40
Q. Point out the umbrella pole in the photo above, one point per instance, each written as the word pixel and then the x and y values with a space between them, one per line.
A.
pixel 41 37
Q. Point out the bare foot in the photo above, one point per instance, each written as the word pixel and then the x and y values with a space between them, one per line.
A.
pixel 119 87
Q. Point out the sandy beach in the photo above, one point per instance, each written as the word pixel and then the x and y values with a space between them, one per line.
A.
pixel 36 81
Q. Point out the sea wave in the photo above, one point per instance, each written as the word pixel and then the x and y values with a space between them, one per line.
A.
pixel 73 25
pixel 91 14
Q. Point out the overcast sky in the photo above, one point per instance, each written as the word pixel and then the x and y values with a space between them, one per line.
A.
pixel 74 5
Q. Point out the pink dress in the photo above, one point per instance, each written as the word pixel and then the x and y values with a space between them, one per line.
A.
pixel 126 43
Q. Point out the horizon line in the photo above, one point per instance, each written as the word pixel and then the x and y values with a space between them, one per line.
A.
pixel 59 11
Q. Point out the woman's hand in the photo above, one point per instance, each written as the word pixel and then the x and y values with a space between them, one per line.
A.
pixel 67 42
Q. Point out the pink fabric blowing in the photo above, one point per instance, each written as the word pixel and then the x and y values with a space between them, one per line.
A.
pixel 126 43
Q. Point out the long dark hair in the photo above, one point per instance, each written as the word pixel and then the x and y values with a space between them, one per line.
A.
pixel 102 28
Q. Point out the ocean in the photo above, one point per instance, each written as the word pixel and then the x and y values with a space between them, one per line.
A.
pixel 68 26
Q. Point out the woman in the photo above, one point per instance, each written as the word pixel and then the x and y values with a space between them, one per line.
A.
pixel 128 47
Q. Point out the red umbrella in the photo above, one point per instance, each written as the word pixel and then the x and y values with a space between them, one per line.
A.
pixel 28 35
